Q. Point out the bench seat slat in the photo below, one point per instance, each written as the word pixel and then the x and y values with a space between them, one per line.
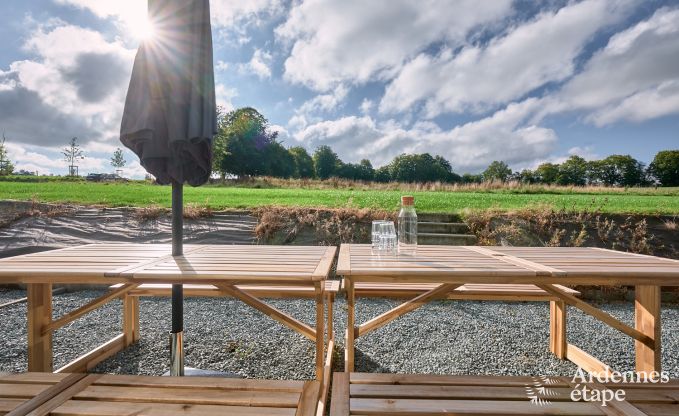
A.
pixel 269 291
pixel 102 408
pixel 473 290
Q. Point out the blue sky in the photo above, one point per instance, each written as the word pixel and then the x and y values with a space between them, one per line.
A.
pixel 519 81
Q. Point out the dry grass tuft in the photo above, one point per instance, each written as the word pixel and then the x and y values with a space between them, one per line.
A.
pixel 150 213
pixel 195 211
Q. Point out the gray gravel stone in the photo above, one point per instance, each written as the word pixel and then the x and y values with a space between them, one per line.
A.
pixel 440 338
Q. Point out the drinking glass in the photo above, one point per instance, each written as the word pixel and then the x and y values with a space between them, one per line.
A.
pixel 388 240
pixel 376 232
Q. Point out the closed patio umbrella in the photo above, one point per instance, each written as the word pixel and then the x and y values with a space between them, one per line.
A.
pixel 170 116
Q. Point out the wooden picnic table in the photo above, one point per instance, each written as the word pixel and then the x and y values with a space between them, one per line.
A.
pixel 131 265
pixel 546 267
pixel 32 394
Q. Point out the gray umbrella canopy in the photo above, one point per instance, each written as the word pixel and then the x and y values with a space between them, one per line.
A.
pixel 170 114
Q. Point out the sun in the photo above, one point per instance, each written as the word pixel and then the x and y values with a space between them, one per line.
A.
pixel 134 15
pixel 143 29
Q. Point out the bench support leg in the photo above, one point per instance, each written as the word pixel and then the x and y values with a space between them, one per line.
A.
pixel 647 321
pixel 131 319
pixel 557 328
pixel 331 304
pixel 320 331
pixel 39 317
pixel 351 331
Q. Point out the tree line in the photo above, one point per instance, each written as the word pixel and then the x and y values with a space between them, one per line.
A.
pixel 246 146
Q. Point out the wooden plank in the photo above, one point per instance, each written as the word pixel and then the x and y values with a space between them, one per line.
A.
pixel 270 311
pixel 557 328
pixel 89 307
pixel 208 383
pixel 89 360
pixel 103 408
pixel 647 321
pixel 327 378
pixel 540 268
pixel 448 380
pixel 148 395
pixel 586 361
pixel 57 400
pixel 339 405
pixel 320 330
pixel 322 270
pixel 468 407
pixel 308 402
pixel 404 308
pixel 39 317
pixel 351 330
pixel 131 319
pixel 601 315
pixel 344 260
pixel 45 395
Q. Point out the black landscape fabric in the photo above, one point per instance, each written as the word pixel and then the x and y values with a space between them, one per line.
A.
pixel 170 114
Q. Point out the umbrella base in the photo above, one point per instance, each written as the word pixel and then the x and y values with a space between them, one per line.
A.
pixel 177 354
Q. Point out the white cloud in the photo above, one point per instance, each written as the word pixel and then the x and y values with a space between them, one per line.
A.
pixel 635 77
pixel 74 86
pixel 478 78
pixel 224 96
pixel 232 12
pixel 259 64
pixel 354 41
pixel 310 110
pixel 506 135
pixel 367 106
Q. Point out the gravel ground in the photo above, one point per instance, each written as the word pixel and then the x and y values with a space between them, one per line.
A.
pixel 442 337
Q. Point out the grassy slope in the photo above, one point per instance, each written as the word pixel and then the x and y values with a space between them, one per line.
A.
pixel 135 194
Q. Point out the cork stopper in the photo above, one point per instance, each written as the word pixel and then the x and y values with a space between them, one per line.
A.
pixel 407 200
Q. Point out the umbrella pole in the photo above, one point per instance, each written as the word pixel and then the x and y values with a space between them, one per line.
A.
pixel 177 334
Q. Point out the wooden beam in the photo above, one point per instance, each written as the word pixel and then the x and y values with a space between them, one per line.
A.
pixel 600 315
pixel 39 317
pixel 308 401
pixel 350 334
pixel 37 401
pixel 586 361
pixel 339 405
pixel 404 308
pixel 320 331
pixel 647 321
pixel 89 360
pixel 557 328
pixel 89 307
pixel 270 311
pixel 327 376
pixel 61 398
pixel 131 319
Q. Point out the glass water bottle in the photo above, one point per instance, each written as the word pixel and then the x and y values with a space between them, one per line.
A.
pixel 407 225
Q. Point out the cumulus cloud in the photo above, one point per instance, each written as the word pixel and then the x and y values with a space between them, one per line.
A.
pixel 74 86
pixel 478 78
pixel 259 64
pixel 355 41
pixel 506 135
pixel 634 77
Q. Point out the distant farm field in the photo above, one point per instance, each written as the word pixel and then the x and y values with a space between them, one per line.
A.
pixel 639 201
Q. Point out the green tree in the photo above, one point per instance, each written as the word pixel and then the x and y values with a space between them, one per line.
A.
pixel 278 162
pixel 665 167
pixel 326 162
pixel 547 173
pixel 242 142
pixel 497 171
pixel 618 170
pixel 6 165
pixel 118 160
pixel 525 176
pixel 421 168
pixel 304 164
pixel 472 178
pixel 573 171
pixel 382 174
pixel 366 170
pixel 72 154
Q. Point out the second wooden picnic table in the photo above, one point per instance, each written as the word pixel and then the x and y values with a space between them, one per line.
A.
pixel 546 267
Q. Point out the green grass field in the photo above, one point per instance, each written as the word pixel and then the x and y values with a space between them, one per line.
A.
pixel 641 201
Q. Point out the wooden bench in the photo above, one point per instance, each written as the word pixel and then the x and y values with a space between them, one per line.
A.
pixel 113 395
pixel 395 394
pixel 476 291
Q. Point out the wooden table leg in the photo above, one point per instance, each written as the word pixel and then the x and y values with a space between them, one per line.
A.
pixel 39 316
pixel 351 331
pixel 331 305
pixel 647 321
pixel 557 328
pixel 320 331
pixel 131 319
